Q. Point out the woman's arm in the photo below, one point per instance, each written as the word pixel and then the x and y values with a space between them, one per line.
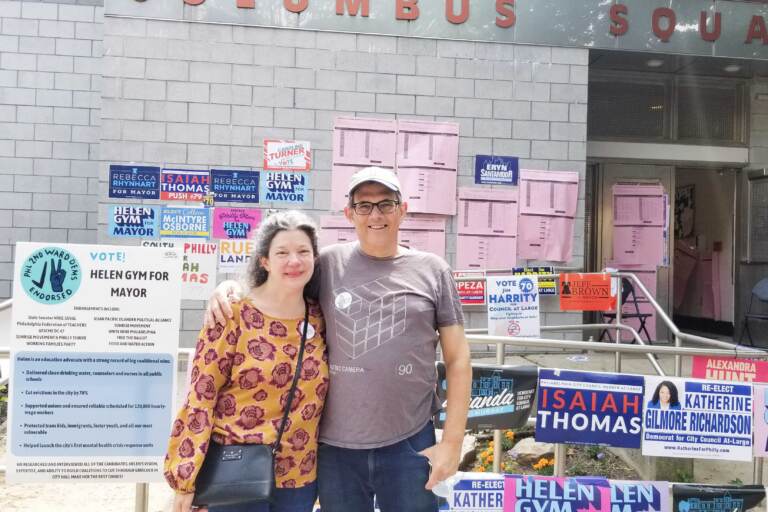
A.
pixel 191 431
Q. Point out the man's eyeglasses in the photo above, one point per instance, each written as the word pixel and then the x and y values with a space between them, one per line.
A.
pixel 365 208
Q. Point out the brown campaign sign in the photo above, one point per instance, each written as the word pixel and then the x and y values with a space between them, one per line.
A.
pixel 586 292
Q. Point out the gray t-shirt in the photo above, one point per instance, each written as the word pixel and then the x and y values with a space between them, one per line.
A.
pixel 381 319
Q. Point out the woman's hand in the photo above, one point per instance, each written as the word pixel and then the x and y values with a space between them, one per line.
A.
pixel 218 309
pixel 182 502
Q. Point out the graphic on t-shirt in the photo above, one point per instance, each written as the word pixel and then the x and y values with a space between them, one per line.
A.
pixel 368 316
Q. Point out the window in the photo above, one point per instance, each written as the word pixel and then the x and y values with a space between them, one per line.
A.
pixel 708 113
pixel 631 110
pixel 664 107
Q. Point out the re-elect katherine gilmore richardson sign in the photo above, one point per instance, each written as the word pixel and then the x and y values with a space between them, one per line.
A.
pixel 697 418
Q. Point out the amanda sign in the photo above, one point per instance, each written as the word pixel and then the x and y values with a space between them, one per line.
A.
pixel 586 292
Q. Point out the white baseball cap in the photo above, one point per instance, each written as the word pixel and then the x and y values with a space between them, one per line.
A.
pixel 376 174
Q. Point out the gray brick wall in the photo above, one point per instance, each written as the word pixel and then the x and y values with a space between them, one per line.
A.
pixel 207 95
pixel 50 92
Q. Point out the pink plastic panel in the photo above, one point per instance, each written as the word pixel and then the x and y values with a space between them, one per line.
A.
pixel 545 238
pixel 485 252
pixel 340 176
pixel 487 211
pixel 424 144
pixel 716 299
pixel 638 244
pixel 424 234
pixel 638 205
pixel 429 190
pixel 364 142
pixel 335 229
pixel 686 259
pixel 549 192
pixel 704 275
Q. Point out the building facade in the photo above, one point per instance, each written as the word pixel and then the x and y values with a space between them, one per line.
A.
pixel 200 84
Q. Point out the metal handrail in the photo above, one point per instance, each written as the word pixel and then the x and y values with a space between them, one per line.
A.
pixel 581 327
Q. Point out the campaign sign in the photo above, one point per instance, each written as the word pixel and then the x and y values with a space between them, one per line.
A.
pixel 760 417
pixel 284 187
pixel 697 418
pixel 528 493
pixel 184 185
pixel 718 498
pixel 198 270
pixel 287 155
pixel 547 286
pixel 589 408
pixel 628 496
pixel 184 222
pixel 235 223
pixel 471 291
pixel 513 306
pixel 587 292
pixel 94 340
pixel 502 396
pixel 133 221
pixel 139 182
pixel 496 170
pixel 481 493
pixel 235 186
pixel 729 368
pixel 234 255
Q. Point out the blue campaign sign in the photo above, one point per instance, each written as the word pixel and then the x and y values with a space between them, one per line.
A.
pixel 284 187
pixel 496 170
pixel 183 222
pixel 134 181
pixel 589 408
pixel 470 495
pixel 133 221
pixel 235 186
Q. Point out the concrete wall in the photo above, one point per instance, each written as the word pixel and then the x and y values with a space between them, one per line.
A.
pixel 50 94
pixel 206 95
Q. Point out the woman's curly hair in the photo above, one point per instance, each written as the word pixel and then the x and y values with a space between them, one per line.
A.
pixel 287 220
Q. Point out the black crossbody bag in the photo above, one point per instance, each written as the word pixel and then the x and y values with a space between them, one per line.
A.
pixel 242 473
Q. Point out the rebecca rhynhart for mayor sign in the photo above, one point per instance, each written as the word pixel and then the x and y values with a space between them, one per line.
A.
pixel 721 28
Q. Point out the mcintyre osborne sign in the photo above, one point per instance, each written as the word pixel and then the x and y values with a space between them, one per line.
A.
pixel 726 28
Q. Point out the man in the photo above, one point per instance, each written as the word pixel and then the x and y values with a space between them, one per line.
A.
pixel 386 308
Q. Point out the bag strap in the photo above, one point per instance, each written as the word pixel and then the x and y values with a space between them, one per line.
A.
pixel 276 446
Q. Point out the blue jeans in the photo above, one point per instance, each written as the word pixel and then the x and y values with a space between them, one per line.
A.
pixel 301 499
pixel 396 474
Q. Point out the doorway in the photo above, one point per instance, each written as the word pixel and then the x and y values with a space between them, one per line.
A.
pixel 696 285
pixel 610 174
pixel 704 249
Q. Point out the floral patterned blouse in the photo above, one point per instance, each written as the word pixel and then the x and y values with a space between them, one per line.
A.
pixel 241 376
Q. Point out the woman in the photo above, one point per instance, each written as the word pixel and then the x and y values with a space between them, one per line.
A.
pixel 243 371
pixel 664 397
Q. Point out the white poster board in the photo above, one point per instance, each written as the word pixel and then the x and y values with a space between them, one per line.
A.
pixel 703 419
pixel 513 306
pixel 198 266
pixel 93 362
